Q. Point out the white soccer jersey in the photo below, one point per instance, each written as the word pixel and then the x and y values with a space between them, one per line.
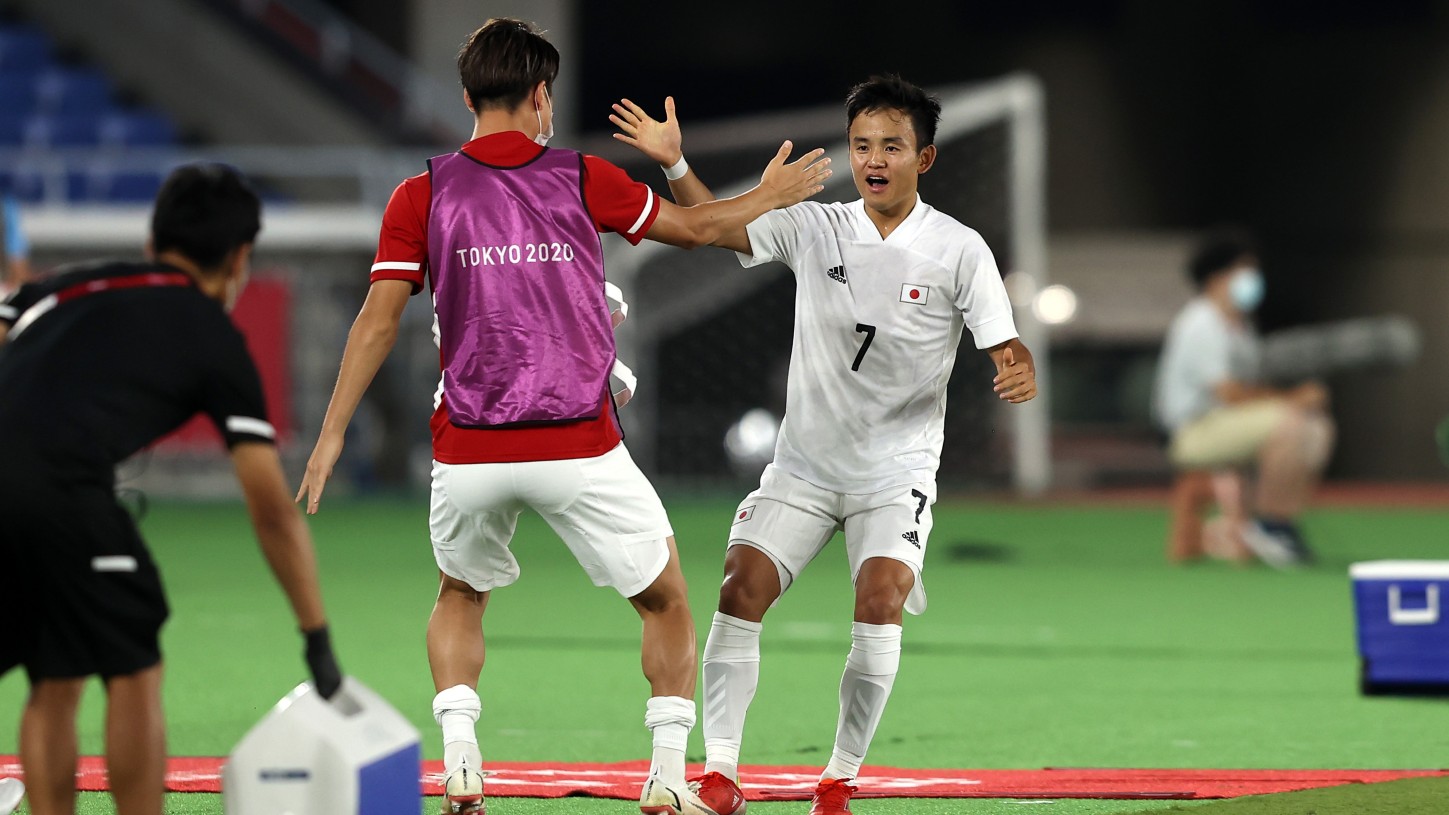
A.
pixel 877 322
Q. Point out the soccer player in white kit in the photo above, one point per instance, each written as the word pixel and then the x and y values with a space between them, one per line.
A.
pixel 885 285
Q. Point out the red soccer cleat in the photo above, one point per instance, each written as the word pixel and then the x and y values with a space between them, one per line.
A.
pixel 832 797
pixel 719 793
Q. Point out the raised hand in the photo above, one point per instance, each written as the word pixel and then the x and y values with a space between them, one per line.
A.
pixel 794 182
pixel 658 140
pixel 1016 381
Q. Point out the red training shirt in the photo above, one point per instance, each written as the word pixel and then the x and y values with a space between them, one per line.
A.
pixel 617 203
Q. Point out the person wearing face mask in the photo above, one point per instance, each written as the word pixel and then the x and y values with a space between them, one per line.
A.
pixel 97 362
pixel 1221 416
pixel 506 234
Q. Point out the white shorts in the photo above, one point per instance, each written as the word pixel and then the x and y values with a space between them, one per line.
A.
pixel 791 520
pixel 604 508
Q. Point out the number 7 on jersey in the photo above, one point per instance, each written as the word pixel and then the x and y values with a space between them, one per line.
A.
pixel 869 331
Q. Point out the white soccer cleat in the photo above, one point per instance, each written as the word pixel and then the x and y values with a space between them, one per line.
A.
pixel 463 792
pixel 11 791
pixel 659 799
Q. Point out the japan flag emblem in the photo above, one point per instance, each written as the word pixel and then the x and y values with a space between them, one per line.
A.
pixel 744 513
pixel 915 294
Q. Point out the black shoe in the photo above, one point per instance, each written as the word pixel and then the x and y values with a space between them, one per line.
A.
pixel 1279 544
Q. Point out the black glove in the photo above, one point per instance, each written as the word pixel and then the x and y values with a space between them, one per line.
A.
pixel 326 676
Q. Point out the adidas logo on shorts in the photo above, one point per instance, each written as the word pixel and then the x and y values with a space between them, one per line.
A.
pixel 913 539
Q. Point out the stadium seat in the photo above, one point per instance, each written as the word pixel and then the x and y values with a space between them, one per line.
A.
pixel 127 188
pixel 47 105
pixel 25 185
pixel 23 49
pixel 62 131
pixel 137 129
pixel 73 92
pixel 17 94
pixel 12 131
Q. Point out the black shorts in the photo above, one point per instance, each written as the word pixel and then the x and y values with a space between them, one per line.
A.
pixel 78 586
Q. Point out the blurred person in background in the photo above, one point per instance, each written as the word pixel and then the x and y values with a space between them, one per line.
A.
pixel 1219 413
pixel 15 259
pixel 505 232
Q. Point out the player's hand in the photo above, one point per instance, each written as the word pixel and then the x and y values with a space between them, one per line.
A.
pixel 789 184
pixel 1016 382
pixel 658 140
pixel 326 675
pixel 319 469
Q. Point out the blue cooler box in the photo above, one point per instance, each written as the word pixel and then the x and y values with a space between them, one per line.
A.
pixel 1403 634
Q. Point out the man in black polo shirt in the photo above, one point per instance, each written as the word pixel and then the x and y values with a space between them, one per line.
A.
pixel 97 363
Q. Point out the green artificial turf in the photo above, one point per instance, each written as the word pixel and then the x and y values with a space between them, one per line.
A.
pixel 1056 636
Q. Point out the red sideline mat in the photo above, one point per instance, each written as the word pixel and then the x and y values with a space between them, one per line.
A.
pixel 621 781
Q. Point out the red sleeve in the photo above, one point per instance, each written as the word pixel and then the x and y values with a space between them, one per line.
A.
pixel 617 202
pixel 402 245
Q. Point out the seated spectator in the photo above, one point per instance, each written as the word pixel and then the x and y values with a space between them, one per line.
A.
pixel 1222 417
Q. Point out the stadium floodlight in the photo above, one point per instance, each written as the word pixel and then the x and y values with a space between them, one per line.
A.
pixel 1055 305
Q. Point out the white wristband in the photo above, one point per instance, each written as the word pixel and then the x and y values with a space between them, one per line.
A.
pixel 678 170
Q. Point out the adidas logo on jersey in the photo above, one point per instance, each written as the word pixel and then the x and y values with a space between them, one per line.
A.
pixel 837 274
pixel 913 539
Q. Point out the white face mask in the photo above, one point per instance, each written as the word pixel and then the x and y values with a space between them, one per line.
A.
pixel 542 137
pixel 1246 288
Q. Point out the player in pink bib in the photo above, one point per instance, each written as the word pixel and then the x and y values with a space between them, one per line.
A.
pixel 506 231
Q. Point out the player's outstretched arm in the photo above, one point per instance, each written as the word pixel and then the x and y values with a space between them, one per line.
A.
pixel 722 223
pixel 368 344
pixel 287 546
pixel 1015 379
pixel 664 143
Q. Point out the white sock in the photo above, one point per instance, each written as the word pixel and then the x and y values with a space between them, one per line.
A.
pixel 870 671
pixel 669 718
pixel 731 674
pixel 456 710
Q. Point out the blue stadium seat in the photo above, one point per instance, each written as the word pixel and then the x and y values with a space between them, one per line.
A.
pixel 132 188
pixel 24 49
pixel 12 131
pixel 137 129
pixel 119 187
pixel 17 94
pixel 73 92
pixel 62 131
pixel 25 185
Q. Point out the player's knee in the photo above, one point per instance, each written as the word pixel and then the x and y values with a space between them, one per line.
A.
pixel 451 589
pixel 668 594
pixel 882 606
pixel 748 593
pixel 881 601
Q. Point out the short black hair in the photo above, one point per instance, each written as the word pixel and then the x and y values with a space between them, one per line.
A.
pixel 204 211
pixel 891 92
pixel 1221 249
pixel 502 62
